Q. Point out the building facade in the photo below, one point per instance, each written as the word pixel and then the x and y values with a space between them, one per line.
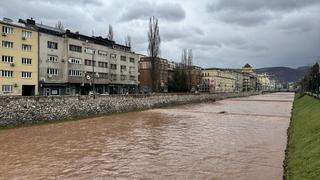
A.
pixel 19 59
pixel 217 81
pixel 75 64
pixel 196 78
pixel 264 83
pixel 249 78
pixel 158 83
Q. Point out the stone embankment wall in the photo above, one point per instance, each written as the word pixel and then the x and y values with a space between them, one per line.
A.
pixel 16 111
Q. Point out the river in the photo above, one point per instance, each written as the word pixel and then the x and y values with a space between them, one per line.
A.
pixel 240 138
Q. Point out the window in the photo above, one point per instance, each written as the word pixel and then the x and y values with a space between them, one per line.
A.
pixel 75 61
pixel 88 51
pixel 132 69
pixel 113 77
pixel 123 68
pixel 89 62
pixel 103 64
pixel 113 66
pixel 52 45
pixel 132 78
pixel 123 77
pixel 26 47
pixel 103 75
pixel 7 59
pixel 132 60
pixel 75 48
pixel 7 30
pixel 51 71
pixel 52 58
pixel 6 89
pixel 102 53
pixel 75 72
pixel 113 56
pixel 27 61
pixel 7 44
pixel 123 58
pixel 6 73
pixel 26 75
pixel 26 34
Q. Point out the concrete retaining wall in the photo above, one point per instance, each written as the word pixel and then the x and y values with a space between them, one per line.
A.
pixel 16 111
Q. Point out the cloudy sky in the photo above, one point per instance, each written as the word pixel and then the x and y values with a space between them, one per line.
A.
pixel 222 33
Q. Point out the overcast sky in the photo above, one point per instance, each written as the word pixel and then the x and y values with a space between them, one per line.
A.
pixel 222 33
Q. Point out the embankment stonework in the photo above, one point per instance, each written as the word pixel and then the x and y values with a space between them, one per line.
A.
pixel 16 111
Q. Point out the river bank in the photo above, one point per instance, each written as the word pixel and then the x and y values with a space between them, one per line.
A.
pixel 21 111
pixel 302 154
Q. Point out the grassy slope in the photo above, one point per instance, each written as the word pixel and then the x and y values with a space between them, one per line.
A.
pixel 303 160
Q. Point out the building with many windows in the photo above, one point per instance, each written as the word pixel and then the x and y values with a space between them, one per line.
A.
pixel 249 78
pixel 217 81
pixel 19 59
pixel 72 63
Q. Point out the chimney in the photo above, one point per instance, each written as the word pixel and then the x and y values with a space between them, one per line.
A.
pixel 31 21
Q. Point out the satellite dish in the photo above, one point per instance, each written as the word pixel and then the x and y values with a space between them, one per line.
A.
pixel 88 77
pixel 50 75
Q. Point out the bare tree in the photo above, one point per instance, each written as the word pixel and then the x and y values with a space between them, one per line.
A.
pixel 186 65
pixel 110 33
pixel 59 25
pixel 128 41
pixel 154 47
pixel 189 64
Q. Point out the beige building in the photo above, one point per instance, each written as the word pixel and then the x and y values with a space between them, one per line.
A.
pixel 264 83
pixel 19 59
pixel 217 81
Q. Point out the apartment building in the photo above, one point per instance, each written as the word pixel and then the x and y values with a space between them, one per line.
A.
pixel 249 78
pixel 158 83
pixel 217 81
pixel 72 63
pixel 19 59
pixel 239 80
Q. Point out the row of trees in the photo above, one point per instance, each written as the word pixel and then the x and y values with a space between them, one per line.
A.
pixel 182 76
pixel 311 81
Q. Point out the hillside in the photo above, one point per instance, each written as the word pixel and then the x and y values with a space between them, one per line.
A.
pixel 285 74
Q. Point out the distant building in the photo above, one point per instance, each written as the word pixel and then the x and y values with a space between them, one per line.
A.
pixel 249 78
pixel 263 82
pixel 239 80
pixel 196 78
pixel 160 81
pixel 19 59
pixel 171 68
pixel 217 81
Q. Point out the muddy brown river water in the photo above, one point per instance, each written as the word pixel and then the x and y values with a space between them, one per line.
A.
pixel 242 138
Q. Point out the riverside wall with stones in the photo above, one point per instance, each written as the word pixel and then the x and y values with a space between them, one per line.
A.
pixel 17 111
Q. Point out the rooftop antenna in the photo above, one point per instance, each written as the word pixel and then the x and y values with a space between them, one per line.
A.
pixel 92 33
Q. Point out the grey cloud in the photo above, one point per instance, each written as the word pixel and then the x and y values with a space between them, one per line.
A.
pixel 179 32
pixel 245 18
pixel 70 2
pixel 254 5
pixel 255 12
pixel 165 11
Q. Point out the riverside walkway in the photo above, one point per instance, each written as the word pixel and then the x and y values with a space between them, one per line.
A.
pixel 240 138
